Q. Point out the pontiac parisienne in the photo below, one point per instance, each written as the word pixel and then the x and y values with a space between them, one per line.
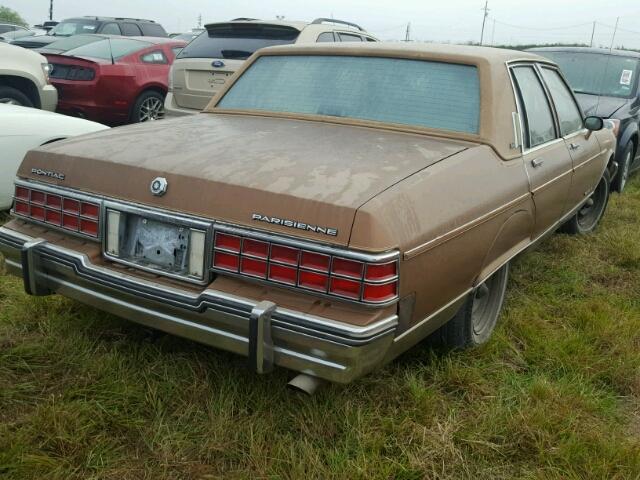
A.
pixel 330 208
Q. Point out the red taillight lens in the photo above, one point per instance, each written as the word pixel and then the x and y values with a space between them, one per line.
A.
pixel 283 274
pixel 280 253
pixel 226 261
pixel 70 222
pixel 22 193
pixel 315 261
pixel 253 267
pixel 227 242
pixel 21 207
pixel 37 197
pixel 89 227
pixel 350 268
pixel 53 217
pixel 255 248
pixel 313 280
pixel 89 210
pixel 71 206
pixel 37 213
pixel 379 293
pixel 381 272
pixel 345 288
pixel 54 201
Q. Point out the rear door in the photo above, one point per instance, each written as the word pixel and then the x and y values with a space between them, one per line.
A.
pixel 205 65
pixel 546 157
pixel 581 143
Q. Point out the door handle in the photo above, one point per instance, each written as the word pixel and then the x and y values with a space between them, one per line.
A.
pixel 574 146
pixel 537 162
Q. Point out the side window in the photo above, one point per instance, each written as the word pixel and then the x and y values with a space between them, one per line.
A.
pixel 110 29
pixel 538 118
pixel 153 30
pixel 131 30
pixel 176 50
pixel 369 39
pixel 568 113
pixel 154 57
pixel 326 37
pixel 347 37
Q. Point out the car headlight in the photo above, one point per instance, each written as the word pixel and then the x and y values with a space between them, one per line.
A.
pixel 47 68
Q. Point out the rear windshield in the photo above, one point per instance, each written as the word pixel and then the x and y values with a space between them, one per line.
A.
pixel 76 41
pixel 106 49
pixel 597 73
pixel 411 92
pixel 74 27
pixel 237 40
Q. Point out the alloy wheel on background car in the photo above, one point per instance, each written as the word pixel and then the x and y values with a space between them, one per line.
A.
pixel 151 108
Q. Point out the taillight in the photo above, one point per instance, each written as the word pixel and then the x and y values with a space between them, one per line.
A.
pixel 58 210
pixel 366 278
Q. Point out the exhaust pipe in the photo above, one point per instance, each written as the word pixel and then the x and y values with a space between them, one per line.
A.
pixel 305 384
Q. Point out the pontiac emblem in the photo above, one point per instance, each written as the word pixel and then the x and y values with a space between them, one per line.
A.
pixel 159 186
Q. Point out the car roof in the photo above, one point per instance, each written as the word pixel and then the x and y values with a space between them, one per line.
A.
pixel 109 19
pixel 602 51
pixel 297 24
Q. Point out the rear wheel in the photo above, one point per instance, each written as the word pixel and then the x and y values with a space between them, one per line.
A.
pixel 476 320
pixel 620 181
pixel 588 217
pixel 13 96
pixel 148 107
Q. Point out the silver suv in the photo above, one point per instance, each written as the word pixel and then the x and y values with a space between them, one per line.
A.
pixel 204 65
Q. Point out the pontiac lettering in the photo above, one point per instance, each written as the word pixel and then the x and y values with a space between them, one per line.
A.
pixel 48 173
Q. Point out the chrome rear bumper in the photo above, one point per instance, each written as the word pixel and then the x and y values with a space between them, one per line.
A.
pixel 265 333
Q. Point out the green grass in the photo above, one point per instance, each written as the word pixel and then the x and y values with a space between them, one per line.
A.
pixel 554 394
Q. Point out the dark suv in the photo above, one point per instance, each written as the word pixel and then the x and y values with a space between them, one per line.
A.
pixel 606 85
pixel 134 27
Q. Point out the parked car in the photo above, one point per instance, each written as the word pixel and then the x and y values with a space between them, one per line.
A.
pixel 10 31
pixel 187 37
pixel 22 129
pixel 606 84
pixel 24 79
pixel 209 61
pixel 329 209
pixel 114 80
pixel 130 27
pixel 46 25
pixel 69 43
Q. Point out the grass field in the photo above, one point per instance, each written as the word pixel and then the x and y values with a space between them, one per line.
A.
pixel 555 393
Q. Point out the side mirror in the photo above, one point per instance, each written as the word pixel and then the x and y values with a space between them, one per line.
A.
pixel 594 124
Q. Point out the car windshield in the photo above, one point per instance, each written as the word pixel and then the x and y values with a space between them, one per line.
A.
pixel 109 48
pixel 411 92
pixel 237 40
pixel 597 73
pixel 69 43
pixel 73 27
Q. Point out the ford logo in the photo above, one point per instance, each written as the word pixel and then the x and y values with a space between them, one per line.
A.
pixel 217 63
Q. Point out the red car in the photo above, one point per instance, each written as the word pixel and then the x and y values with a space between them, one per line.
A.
pixel 116 80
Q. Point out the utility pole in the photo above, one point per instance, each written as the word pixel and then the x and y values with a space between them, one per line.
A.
pixel 484 20
pixel 407 36
pixel 593 32
pixel 200 21
pixel 614 34
pixel 50 9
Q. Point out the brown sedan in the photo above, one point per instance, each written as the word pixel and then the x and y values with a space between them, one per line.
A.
pixel 330 208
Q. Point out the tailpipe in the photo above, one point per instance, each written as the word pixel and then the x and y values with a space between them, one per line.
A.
pixel 305 384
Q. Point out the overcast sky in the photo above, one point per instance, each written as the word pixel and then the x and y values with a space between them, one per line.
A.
pixel 509 22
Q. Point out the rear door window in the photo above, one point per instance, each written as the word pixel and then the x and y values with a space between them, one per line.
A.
pixel 537 112
pixel 326 37
pixel 153 30
pixel 568 113
pixel 348 37
pixel 110 29
pixel 131 30
pixel 237 40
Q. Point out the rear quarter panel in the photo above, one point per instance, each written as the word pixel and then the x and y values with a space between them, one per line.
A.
pixel 454 223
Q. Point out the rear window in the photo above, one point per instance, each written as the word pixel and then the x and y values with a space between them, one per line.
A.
pixel 237 40
pixel 76 41
pixel 106 49
pixel 411 92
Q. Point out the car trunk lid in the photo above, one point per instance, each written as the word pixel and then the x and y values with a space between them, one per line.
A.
pixel 245 170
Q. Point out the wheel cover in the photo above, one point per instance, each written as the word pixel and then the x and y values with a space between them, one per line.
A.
pixel 10 101
pixel 487 303
pixel 151 108
pixel 590 213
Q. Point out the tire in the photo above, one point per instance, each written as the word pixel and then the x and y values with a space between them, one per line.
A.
pixel 618 183
pixel 588 217
pixel 149 106
pixel 477 318
pixel 13 96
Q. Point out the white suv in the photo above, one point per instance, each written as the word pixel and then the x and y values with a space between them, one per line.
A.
pixel 24 79
pixel 205 64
